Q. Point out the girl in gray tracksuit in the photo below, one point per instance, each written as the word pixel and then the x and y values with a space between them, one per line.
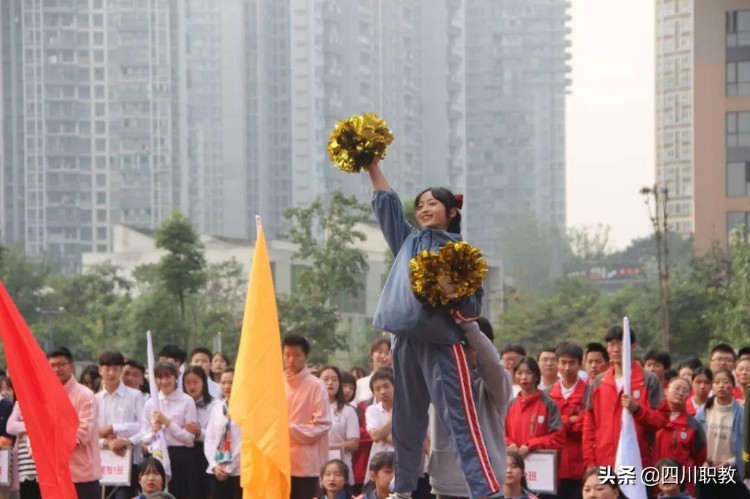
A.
pixel 494 390
pixel 428 360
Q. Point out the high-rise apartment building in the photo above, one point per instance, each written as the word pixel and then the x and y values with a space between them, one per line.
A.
pixel 87 123
pixel 516 81
pixel 312 63
pixel 12 226
pixel 703 116
pixel 118 111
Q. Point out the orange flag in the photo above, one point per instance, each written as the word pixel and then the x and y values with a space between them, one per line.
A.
pixel 51 420
pixel 258 401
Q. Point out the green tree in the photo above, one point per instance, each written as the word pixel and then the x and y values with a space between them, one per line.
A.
pixel 93 307
pixel 155 311
pixel 183 269
pixel 25 280
pixel 730 318
pixel 571 312
pixel 218 307
pixel 325 238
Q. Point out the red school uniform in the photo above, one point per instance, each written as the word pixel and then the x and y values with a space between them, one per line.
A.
pixel 683 440
pixel 535 422
pixel 571 459
pixel 603 416
pixel 739 394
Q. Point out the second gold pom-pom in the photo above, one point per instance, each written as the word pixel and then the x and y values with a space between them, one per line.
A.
pixel 458 264
pixel 358 141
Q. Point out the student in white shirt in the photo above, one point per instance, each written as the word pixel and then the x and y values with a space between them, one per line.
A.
pixel 378 416
pixel 177 410
pixel 134 376
pixel 194 383
pixel 120 412
pixel 343 438
pixel 223 445
pixel 380 354
pixel 177 356
pixel 202 357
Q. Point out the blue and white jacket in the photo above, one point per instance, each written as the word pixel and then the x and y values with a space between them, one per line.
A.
pixel 738 440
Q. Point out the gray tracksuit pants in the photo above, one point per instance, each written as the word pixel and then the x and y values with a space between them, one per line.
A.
pixel 429 372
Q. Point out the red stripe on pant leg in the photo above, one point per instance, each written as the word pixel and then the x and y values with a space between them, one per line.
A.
pixel 467 400
pixel 482 449
pixel 471 417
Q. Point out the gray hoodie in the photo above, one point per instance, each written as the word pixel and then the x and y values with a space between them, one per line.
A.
pixel 494 391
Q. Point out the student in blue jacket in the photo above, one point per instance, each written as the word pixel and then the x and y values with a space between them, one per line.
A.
pixel 722 419
pixel 429 362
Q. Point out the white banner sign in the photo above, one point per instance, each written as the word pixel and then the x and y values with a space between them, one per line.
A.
pixel 541 471
pixel 116 469
pixel 5 466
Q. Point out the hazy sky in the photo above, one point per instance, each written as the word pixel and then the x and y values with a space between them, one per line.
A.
pixel 610 116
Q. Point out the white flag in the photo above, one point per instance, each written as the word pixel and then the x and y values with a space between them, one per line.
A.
pixel 158 443
pixel 628 463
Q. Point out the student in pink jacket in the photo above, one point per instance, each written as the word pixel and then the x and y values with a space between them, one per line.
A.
pixel 85 462
pixel 309 418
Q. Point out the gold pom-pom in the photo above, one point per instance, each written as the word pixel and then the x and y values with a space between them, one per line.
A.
pixel 460 263
pixel 466 268
pixel 356 142
pixel 425 271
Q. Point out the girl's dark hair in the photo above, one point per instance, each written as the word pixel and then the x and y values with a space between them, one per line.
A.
pixel 670 463
pixel 198 371
pixel 6 378
pixel 339 396
pixel 379 461
pixel 93 371
pixel 214 376
pixel 705 371
pixel 533 367
pixel 348 378
pixel 728 373
pixel 520 463
pixel 692 362
pixel 344 469
pixel 165 368
pixel 357 372
pixel 602 471
pixel 150 464
pixel 447 199
pixel 712 398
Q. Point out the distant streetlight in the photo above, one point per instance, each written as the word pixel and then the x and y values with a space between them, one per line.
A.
pixel 656 199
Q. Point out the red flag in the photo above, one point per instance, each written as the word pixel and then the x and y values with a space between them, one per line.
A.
pixel 51 420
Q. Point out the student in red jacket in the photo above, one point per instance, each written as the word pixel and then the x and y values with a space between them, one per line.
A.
pixel 606 400
pixel 569 393
pixel 683 438
pixel 533 420
pixel 742 373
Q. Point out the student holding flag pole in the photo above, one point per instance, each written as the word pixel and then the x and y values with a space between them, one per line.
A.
pixel 610 433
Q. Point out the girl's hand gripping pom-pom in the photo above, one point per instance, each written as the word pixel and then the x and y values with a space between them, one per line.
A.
pixel 359 141
pixel 453 273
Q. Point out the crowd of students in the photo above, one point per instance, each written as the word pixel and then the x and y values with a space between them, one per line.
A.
pixel 568 399
pixel 689 421
pixel 116 412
